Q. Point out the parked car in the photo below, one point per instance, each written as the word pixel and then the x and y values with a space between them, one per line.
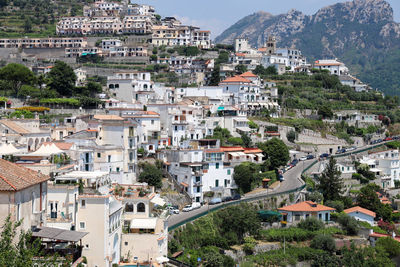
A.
pixel 288 167
pixel 373 142
pixel 303 158
pixel 215 200
pixel 187 208
pixel 196 205
pixel 280 176
pixel 379 141
pixel 310 156
pixel 236 197
pixel 294 162
pixel 173 209
pixel 324 155
pixel 341 151
pixel 396 137
pixel 351 148
pixel 388 139
pixel 226 199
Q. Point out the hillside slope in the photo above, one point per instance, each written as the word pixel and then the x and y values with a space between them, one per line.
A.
pixel 362 33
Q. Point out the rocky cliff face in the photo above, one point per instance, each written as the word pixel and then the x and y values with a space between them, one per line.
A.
pixel 359 32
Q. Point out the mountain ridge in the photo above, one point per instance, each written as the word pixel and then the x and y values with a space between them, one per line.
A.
pixel 359 32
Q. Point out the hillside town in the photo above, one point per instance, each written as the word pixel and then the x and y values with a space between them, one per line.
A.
pixel 132 139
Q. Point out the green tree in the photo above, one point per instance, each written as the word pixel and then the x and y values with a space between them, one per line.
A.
pixel 271 70
pixel 17 249
pixel 338 205
pixel 215 76
pixel 246 140
pixel 62 79
pixel 245 176
pixel 222 134
pixel 323 242
pixel 311 224
pixel 276 152
pixel 348 223
pixel 325 112
pixel 28 25
pixel 368 199
pixel 17 75
pixel 240 69
pixel 259 70
pixel 291 136
pixel 330 183
pixel 235 141
pixel 151 174
pixel 389 245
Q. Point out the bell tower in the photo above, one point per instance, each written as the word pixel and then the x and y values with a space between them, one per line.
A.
pixel 271 45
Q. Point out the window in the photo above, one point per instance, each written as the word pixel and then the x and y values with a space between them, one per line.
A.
pixel 109 158
pixel 141 207
pixel 216 183
pixel 217 165
pixel 297 217
pixel 99 155
pixel 83 203
pixel 33 202
pixel 228 172
pixel 82 225
pixel 18 211
pixel 152 122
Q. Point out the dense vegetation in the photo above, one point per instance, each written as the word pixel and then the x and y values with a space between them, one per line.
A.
pixel 57 88
pixel 35 18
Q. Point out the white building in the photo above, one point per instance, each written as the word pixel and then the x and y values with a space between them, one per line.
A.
pixel 361 214
pixel 301 211
pixel 131 86
pixel 332 65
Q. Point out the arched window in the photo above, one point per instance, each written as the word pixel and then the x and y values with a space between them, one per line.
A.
pixel 145 86
pixel 141 207
pixel 128 207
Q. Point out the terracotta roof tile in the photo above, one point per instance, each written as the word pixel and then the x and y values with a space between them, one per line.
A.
pixel 231 148
pixel 248 74
pixel 108 117
pixel 361 210
pixel 306 206
pixel 14 127
pixel 251 150
pixel 236 79
pixel 14 177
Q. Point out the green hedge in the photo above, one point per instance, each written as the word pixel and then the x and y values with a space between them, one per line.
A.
pixel 64 101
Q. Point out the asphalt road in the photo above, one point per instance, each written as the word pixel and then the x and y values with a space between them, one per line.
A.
pixel 291 181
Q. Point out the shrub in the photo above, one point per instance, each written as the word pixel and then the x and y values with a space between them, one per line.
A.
pixel 291 136
pixel 249 244
pixel 336 204
pixel 324 242
pixel 348 223
pixel 311 224
pixel 389 245
pixel 33 109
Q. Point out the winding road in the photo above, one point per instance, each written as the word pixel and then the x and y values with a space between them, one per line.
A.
pixel 292 181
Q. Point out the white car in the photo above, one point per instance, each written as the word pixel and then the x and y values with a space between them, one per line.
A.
pixel 187 208
pixel 303 158
pixel 173 210
pixel 196 205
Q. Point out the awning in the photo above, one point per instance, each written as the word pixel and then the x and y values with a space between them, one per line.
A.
pixel 243 129
pixel 184 184
pixel 149 223
pixel 221 108
pixel 58 234
pixel 158 201
pixel 162 259
pixel 240 119
pixel 234 154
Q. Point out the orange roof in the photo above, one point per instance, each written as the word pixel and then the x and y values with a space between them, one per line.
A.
pixel 248 74
pixel 14 177
pixel 63 145
pixel 231 148
pixel 306 206
pixel 262 49
pixel 385 200
pixel 250 150
pixel 240 54
pixel 236 79
pixel 214 151
pixel 108 117
pixel 361 210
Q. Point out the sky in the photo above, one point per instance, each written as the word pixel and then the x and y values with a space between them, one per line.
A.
pixel 218 15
